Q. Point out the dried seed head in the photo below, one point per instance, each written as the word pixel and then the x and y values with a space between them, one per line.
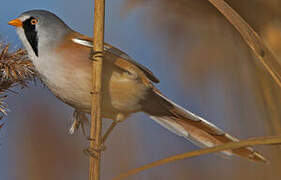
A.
pixel 15 69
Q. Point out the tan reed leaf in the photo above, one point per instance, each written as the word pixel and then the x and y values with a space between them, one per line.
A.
pixel 275 140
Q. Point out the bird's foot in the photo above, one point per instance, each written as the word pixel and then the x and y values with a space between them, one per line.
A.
pixel 95 54
pixel 94 152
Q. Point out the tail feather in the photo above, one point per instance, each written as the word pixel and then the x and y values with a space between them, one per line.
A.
pixel 196 129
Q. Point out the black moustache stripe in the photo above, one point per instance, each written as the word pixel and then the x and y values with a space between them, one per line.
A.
pixel 31 34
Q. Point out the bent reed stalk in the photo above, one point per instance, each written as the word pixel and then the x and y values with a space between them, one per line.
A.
pixel 276 140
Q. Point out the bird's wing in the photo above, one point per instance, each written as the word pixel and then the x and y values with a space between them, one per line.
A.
pixel 124 61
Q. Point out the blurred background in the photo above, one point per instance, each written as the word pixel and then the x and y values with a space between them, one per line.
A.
pixel 203 65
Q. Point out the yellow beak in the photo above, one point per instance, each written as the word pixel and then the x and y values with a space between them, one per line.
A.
pixel 15 22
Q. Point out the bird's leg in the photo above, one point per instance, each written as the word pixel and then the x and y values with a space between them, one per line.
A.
pixel 119 118
pixel 93 151
pixel 79 118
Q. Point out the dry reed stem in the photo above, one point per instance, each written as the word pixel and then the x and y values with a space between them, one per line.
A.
pixel 252 39
pixel 96 123
pixel 15 69
pixel 234 145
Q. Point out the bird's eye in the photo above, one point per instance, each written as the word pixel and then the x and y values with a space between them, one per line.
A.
pixel 34 21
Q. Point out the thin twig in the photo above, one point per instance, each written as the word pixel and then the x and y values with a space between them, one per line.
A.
pixel 234 145
pixel 96 123
pixel 252 39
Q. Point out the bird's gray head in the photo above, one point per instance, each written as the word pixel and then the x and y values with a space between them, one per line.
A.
pixel 39 29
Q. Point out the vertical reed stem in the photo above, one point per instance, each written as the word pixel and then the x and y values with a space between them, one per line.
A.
pixel 96 123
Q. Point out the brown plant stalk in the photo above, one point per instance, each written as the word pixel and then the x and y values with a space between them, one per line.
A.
pixel 96 123
pixel 275 140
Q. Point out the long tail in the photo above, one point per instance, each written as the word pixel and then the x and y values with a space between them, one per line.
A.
pixel 192 127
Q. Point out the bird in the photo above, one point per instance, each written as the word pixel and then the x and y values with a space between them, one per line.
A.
pixel 61 58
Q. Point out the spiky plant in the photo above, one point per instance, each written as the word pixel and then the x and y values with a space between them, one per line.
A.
pixel 15 70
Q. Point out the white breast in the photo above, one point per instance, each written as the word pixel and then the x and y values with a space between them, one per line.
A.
pixel 69 84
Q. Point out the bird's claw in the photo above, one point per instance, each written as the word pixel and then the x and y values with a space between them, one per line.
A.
pixel 94 152
pixel 95 54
